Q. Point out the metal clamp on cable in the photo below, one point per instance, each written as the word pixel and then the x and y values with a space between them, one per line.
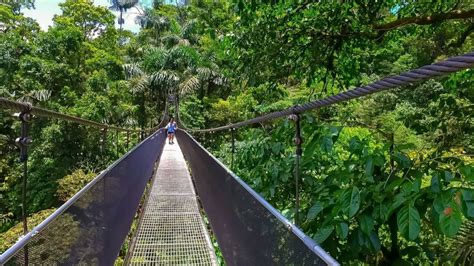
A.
pixel 24 141
pixel 298 140
pixel 294 109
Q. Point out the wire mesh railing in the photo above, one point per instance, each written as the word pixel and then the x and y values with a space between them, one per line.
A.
pixel 91 226
pixel 248 229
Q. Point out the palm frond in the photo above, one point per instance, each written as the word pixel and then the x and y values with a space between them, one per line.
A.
pixel 205 73
pixel 122 4
pixel 188 29
pixel 184 55
pixel 139 84
pixel 36 96
pixel 132 70
pixel 165 78
pixel 131 122
pixel 191 84
pixel 170 39
pixel 41 95
pixel 149 19
pixel 211 75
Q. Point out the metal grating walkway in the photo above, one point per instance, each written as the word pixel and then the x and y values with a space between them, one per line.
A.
pixel 172 231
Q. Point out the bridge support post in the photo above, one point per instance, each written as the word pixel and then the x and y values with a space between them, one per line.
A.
pixel 128 139
pixel 103 140
pixel 298 140
pixel 117 143
pixel 23 142
pixel 232 133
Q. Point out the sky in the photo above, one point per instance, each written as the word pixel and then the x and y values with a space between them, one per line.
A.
pixel 46 9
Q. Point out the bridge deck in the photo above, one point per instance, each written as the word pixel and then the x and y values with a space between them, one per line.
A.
pixel 172 231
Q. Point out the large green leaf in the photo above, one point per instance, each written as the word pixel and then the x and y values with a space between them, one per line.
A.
pixel 450 220
pixel 366 224
pixel 381 211
pixel 402 160
pixel 323 233
pixel 408 221
pixel 468 172
pixel 374 242
pixel 448 176
pixel 351 201
pixel 326 145
pixel 315 210
pixel 435 184
pixel 342 229
pixel 467 197
pixel 369 169
pixel 311 146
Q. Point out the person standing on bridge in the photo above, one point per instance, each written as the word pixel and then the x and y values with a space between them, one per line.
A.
pixel 171 128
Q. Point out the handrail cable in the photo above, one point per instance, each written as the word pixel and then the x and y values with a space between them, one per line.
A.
pixel 19 106
pixel 411 77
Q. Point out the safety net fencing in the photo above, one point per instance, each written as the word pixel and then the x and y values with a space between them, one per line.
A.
pixel 249 231
pixel 90 228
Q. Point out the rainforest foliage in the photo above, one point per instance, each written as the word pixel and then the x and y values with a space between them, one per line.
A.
pixel 386 179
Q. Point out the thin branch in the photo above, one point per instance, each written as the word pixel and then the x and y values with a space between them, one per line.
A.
pixel 457 14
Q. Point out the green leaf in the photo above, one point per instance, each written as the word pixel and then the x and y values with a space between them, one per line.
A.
pixel 326 146
pixel 448 176
pixel 309 149
pixel 435 185
pixel 355 146
pixel 467 197
pixel 276 147
pixel 335 133
pixel 342 229
pixel 366 224
pixel 450 219
pixel 408 221
pixel 374 241
pixel 369 168
pixel 314 211
pixel 416 185
pixel 381 212
pixel 399 200
pixel 351 201
pixel 323 233
pixel 468 172
pixel 438 204
pixel 379 160
pixel 402 160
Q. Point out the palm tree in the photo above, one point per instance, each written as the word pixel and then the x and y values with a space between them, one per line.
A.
pixel 138 82
pixel 122 6
pixel 173 65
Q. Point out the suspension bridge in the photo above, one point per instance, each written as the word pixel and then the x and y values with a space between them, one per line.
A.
pixel 193 199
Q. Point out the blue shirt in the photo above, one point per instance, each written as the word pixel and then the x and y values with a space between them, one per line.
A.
pixel 171 127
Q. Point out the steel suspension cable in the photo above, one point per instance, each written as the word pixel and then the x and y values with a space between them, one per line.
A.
pixel 38 111
pixel 442 68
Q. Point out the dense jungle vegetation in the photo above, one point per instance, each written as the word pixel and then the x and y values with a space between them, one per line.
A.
pixel 387 179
